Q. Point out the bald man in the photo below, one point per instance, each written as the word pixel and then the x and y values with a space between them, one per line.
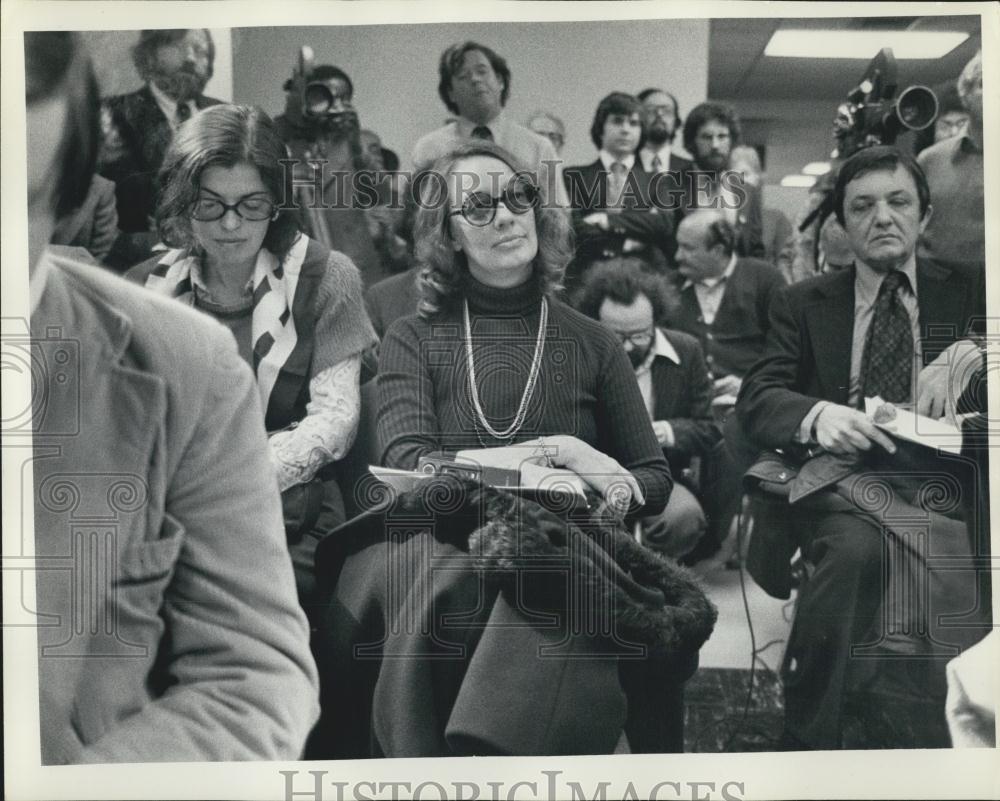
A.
pixel 724 298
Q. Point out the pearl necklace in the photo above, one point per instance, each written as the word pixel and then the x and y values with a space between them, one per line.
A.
pixel 536 364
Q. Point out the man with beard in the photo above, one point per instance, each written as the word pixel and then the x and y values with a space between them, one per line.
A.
pixel 711 131
pixel 663 118
pixel 321 129
pixel 670 367
pixel 139 126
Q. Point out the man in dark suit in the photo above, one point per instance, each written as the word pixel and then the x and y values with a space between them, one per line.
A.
pixel 138 127
pixel 711 131
pixel 613 212
pixel 663 120
pixel 833 341
pixel 670 368
pixel 724 304
pixel 724 298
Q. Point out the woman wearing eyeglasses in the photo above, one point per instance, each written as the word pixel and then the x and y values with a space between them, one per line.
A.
pixel 294 307
pixel 527 628
pixel 493 358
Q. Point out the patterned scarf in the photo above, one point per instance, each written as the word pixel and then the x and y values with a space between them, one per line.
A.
pixel 272 323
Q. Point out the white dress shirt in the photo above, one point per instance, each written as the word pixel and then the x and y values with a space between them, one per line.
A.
pixel 710 292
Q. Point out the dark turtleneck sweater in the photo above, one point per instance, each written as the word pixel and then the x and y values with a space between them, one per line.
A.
pixel 585 388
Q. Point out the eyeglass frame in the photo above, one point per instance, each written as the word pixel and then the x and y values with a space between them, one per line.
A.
pixel 272 214
pixel 669 112
pixel 645 337
pixel 504 197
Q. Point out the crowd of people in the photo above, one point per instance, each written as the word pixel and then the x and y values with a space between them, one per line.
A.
pixel 642 329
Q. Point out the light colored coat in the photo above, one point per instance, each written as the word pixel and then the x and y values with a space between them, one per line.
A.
pixel 174 632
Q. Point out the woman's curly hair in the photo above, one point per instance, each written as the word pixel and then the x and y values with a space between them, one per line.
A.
pixel 443 271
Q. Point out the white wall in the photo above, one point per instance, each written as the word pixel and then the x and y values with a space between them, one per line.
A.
pixel 565 67
pixel 111 53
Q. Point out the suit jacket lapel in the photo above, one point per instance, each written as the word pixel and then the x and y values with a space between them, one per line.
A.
pixel 156 131
pixel 940 300
pixel 830 321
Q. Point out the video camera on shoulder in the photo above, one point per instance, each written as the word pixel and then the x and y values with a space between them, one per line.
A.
pixel 322 93
pixel 873 114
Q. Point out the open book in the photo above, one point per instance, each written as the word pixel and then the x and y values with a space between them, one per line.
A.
pixel 511 468
pixel 903 423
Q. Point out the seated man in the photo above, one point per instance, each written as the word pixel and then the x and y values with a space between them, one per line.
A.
pixel 613 213
pixel 673 378
pixel 724 297
pixel 856 661
pixel 724 305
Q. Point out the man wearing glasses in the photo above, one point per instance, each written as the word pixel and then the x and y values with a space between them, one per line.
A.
pixel 663 119
pixel 673 379
pixel 955 234
pixel 551 127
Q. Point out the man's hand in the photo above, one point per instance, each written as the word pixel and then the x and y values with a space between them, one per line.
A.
pixel 726 385
pixel 664 433
pixel 841 429
pixel 941 383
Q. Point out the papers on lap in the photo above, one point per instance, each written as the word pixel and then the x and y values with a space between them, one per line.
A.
pixel 513 468
pixel 903 423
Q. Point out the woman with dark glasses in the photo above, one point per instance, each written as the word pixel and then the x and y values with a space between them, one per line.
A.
pixel 527 626
pixel 294 307
pixel 517 364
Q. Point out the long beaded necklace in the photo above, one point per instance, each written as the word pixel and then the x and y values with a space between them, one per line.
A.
pixel 536 364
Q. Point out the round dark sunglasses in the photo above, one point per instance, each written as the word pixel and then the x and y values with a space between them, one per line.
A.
pixel 253 209
pixel 479 209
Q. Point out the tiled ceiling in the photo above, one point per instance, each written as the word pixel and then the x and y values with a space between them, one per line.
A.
pixel 738 67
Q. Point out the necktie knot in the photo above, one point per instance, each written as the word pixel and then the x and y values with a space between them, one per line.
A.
pixel 183 112
pixel 887 361
pixel 893 281
pixel 616 185
pixel 656 164
pixel 482 132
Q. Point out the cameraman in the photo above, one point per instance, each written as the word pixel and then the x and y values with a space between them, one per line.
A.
pixel 321 129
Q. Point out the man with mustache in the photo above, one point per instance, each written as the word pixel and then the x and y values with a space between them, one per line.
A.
pixel 663 118
pixel 322 131
pixel 673 378
pixel 139 126
pixel 711 131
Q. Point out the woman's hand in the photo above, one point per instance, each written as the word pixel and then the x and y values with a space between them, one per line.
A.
pixel 603 474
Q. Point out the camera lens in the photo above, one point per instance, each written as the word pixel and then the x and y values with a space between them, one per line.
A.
pixel 318 99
